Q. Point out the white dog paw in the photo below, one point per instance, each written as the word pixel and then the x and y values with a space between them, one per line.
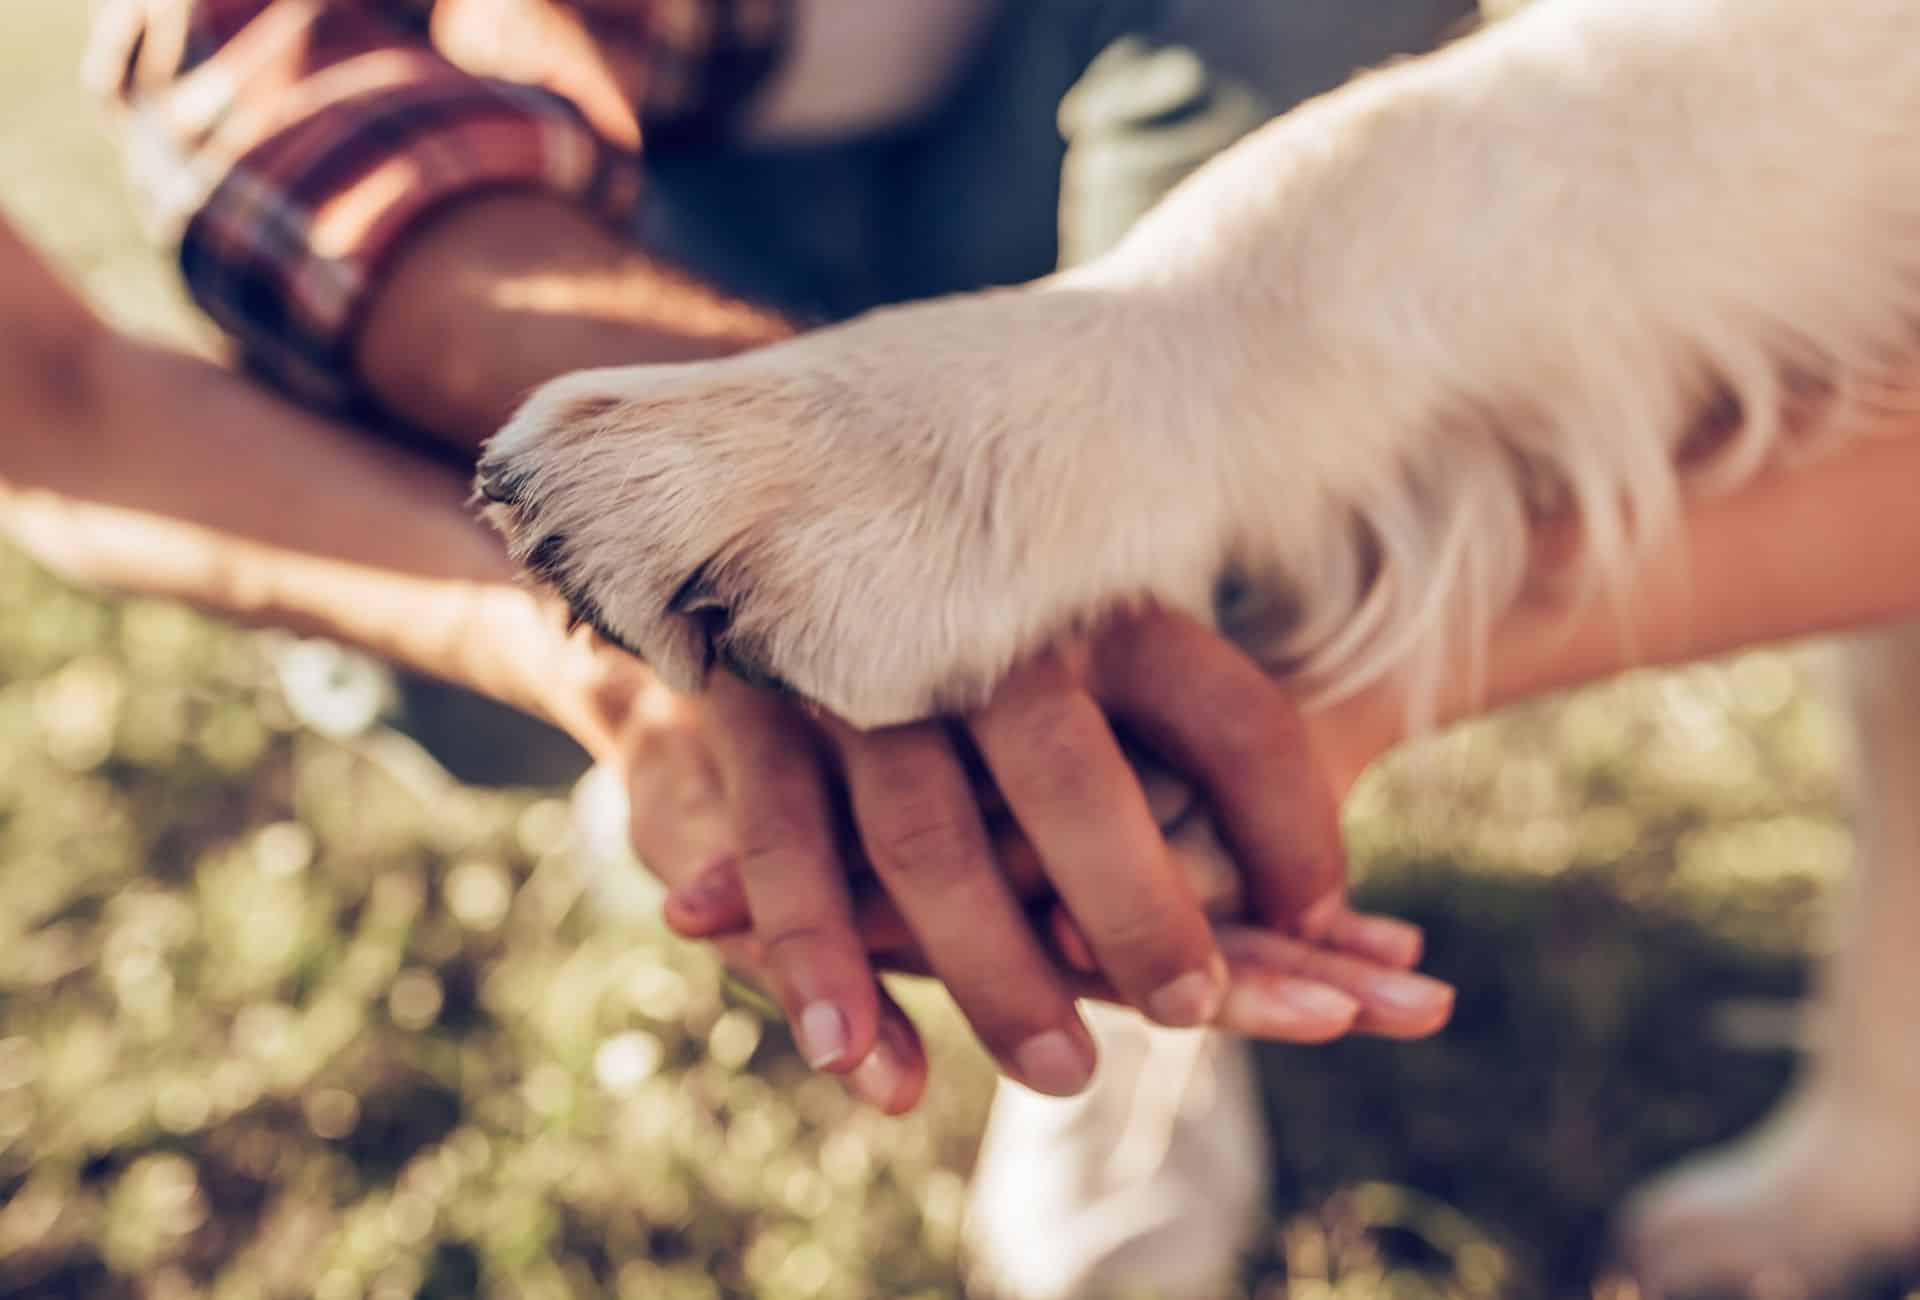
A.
pixel 1819 1193
pixel 884 516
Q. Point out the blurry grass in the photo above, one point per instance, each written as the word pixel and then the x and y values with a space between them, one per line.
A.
pixel 274 1023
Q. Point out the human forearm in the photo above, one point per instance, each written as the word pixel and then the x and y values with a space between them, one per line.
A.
pixel 197 485
pixel 155 430
pixel 89 413
pixel 504 293
pixel 421 622
pixel 1822 548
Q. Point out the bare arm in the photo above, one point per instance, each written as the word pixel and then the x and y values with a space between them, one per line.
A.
pixel 142 468
pixel 301 525
pixel 448 196
pixel 1818 549
pixel 506 292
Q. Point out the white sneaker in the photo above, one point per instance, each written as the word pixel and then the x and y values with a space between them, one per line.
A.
pixel 618 884
pixel 1150 1183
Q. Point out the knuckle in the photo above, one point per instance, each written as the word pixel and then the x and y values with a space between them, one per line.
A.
pixel 899 767
pixel 799 943
pixel 933 852
pixel 763 825
pixel 778 827
pixel 765 752
pixel 1240 720
pixel 776 793
pixel 1249 729
pixel 1145 937
pixel 1057 747
pixel 1048 721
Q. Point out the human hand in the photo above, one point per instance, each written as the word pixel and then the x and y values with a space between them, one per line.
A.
pixel 949 878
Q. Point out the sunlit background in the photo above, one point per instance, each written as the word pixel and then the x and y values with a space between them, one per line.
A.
pixel 290 1016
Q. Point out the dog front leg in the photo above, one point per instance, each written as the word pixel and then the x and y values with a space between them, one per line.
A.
pixel 1831 1181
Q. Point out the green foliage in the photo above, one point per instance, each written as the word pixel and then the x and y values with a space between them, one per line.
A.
pixel 278 1022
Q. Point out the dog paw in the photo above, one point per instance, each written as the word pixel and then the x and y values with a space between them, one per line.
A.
pixel 1818 1194
pixel 883 516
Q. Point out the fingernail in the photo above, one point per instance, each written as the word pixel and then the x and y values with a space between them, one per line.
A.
pixel 1288 1008
pixel 1384 938
pixel 1319 1001
pixel 1411 993
pixel 1052 1063
pixel 878 1078
pixel 823 1034
pixel 1392 927
pixel 1192 999
pixel 1391 939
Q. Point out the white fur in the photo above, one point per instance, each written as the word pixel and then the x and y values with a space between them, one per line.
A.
pixel 1347 361
pixel 1600 255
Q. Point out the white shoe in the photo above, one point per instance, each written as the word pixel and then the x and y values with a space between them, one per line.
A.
pixel 1152 1182
pixel 620 887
